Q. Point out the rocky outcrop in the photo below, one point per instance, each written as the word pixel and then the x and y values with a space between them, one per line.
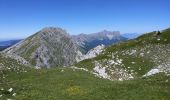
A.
pixel 47 48
pixel 92 53
pixel 137 58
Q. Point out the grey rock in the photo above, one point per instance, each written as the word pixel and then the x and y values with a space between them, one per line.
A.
pixel 47 48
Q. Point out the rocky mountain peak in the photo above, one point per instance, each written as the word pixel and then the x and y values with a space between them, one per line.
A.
pixel 51 31
pixel 47 48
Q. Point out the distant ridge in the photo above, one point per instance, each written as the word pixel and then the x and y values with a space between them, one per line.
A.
pixel 87 42
pixel 53 46
pixel 141 57
pixel 7 43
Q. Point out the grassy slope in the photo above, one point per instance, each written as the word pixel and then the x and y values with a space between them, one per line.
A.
pixel 144 63
pixel 55 84
pixel 69 84
pixel 7 63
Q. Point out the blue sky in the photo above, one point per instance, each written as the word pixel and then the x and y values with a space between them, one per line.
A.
pixel 22 18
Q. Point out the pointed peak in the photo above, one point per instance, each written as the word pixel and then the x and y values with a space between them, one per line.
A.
pixel 51 29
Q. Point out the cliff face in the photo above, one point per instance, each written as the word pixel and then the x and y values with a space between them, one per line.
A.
pixel 86 42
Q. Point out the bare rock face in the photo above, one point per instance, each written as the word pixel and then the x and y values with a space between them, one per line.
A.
pixel 47 48
pixel 86 42
pixel 93 52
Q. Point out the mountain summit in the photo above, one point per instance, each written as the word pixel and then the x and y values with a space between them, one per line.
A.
pixel 55 47
pixel 46 48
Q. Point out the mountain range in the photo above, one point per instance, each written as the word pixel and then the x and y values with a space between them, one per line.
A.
pixel 87 41
pixel 131 35
pixel 8 43
pixel 52 65
pixel 55 47
pixel 148 54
